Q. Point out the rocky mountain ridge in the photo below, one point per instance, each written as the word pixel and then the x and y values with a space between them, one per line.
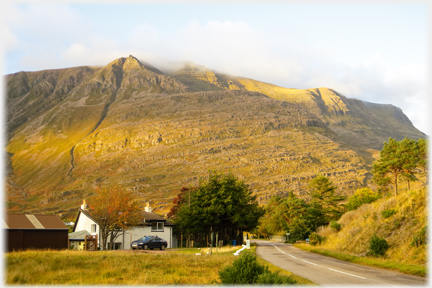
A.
pixel 130 124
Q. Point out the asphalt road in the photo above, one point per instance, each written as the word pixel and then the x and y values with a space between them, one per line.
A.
pixel 328 271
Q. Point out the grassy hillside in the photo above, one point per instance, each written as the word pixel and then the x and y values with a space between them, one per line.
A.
pixel 399 229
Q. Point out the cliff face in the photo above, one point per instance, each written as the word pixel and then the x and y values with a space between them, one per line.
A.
pixel 130 124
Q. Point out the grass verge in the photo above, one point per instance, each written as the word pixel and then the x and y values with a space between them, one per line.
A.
pixel 418 270
pixel 68 267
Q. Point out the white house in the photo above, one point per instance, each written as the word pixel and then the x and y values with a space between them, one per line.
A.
pixel 151 225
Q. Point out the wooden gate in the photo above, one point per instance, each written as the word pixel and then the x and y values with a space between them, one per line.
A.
pixel 91 242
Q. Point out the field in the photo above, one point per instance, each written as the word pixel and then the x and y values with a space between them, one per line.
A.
pixel 180 266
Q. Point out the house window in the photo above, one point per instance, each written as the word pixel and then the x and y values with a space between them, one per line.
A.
pixel 93 228
pixel 157 226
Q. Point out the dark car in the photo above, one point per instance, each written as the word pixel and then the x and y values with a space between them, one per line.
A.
pixel 149 242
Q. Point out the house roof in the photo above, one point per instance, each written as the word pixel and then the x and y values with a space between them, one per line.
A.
pixel 147 218
pixel 33 221
pixel 79 235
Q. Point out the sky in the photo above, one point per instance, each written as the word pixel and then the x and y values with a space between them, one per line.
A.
pixel 377 52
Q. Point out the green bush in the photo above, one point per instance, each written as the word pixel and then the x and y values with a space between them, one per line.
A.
pixel 246 270
pixel 360 197
pixel 389 212
pixel 420 237
pixel 315 239
pixel 335 226
pixel 377 246
pixel 274 278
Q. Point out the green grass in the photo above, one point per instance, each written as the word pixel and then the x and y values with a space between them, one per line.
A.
pixel 418 270
pixel 182 266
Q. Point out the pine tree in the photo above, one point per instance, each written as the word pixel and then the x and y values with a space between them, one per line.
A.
pixel 408 153
pixel 388 167
pixel 322 193
pixel 423 163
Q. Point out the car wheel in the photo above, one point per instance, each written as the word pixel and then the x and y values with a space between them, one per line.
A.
pixel 162 247
pixel 145 247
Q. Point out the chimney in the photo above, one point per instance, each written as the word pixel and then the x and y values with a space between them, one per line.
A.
pixel 84 206
pixel 147 208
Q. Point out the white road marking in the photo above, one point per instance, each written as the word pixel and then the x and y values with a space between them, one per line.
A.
pixel 346 273
pixel 278 249
pixel 322 266
pixel 284 252
pixel 309 262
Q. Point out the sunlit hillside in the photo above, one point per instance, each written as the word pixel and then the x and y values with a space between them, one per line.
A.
pixel 399 229
pixel 132 125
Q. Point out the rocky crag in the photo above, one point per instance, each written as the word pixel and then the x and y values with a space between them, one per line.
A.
pixel 153 132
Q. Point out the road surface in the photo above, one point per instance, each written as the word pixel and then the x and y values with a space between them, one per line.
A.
pixel 328 271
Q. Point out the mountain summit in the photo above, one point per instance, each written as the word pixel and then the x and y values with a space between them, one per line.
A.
pixel 129 124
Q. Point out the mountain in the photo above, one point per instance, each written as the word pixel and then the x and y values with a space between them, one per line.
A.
pixel 153 132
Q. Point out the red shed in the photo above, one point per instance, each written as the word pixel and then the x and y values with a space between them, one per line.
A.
pixel 35 231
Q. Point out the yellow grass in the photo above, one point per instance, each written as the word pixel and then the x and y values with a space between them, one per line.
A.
pixel 359 225
pixel 70 267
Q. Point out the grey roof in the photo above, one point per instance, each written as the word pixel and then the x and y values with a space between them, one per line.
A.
pixel 153 217
pixel 79 235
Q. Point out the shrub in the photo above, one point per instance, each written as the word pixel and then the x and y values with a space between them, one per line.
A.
pixel 274 278
pixel 246 270
pixel 360 197
pixel 378 246
pixel 335 226
pixel 420 237
pixel 315 239
pixel 389 212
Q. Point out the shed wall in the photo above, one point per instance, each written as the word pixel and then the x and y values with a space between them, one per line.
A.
pixel 36 239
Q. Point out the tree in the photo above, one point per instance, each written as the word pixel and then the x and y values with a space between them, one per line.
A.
pixel 408 153
pixel 272 222
pixel 388 167
pixel 400 160
pixel 290 214
pixel 223 204
pixel 181 198
pixel 324 200
pixel 298 229
pixel 115 211
pixel 422 145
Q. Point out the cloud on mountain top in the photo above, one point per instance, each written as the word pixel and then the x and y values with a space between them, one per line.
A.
pixel 56 36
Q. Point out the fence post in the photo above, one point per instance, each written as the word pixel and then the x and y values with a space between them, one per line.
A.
pixel 211 245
